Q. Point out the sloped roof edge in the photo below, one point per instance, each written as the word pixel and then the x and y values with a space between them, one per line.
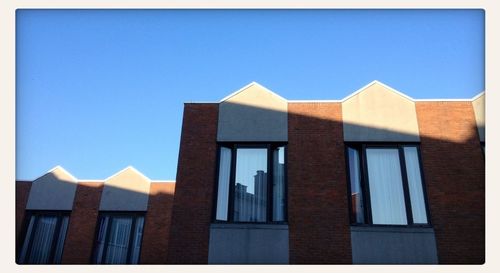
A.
pixel 248 86
pixel 126 169
pixel 56 168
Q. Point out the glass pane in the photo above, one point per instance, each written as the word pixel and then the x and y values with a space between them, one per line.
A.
pixel 42 240
pixel 357 210
pixel 223 188
pixel 250 196
pixel 118 242
pixel 29 233
pixel 101 238
pixel 136 245
pixel 386 187
pixel 415 185
pixel 60 239
pixel 279 184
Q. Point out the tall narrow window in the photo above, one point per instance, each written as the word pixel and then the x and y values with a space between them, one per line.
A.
pixel 44 240
pixel 119 239
pixel 279 184
pixel 251 183
pixel 391 178
pixel 223 189
pixel 415 185
pixel 357 207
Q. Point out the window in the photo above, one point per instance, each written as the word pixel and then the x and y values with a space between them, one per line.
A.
pixel 44 237
pixel 386 185
pixel 119 238
pixel 251 183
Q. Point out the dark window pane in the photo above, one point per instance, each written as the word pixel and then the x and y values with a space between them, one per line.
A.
pixel 386 188
pixel 118 240
pixel 279 184
pixel 250 199
pixel 41 234
pixel 415 185
pixel 357 210
pixel 136 244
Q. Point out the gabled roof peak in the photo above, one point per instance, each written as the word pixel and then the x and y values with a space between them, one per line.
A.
pixel 128 168
pixel 252 84
pixel 376 82
pixel 57 168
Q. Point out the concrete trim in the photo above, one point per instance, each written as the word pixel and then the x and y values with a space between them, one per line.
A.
pixel 403 229
pixel 248 226
pixel 54 190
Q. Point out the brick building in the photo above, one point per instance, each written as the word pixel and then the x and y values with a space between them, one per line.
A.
pixel 377 177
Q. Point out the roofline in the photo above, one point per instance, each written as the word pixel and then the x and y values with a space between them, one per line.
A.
pixel 162 181
pixel 53 169
pixel 312 101
pixel 125 169
pixel 478 95
pixel 248 86
pixel 341 100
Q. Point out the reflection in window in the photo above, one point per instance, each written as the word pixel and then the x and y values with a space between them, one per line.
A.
pixel 119 239
pixel 44 240
pixel 251 183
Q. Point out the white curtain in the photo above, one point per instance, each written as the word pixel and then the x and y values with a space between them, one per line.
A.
pixel 118 241
pixel 356 193
pixel 386 188
pixel 136 245
pixel 279 184
pixel 223 188
pixel 250 201
pixel 415 185
pixel 42 240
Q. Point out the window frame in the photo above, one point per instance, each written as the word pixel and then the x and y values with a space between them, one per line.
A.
pixel 60 214
pixel 134 215
pixel 233 146
pixel 361 147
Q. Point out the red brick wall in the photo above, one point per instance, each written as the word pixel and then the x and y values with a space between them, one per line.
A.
pixel 82 224
pixel 157 224
pixel 454 174
pixel 318 213
pixel 22 193
pixel 192 209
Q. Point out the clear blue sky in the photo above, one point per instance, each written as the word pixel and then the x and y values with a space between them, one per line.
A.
pixel 98 90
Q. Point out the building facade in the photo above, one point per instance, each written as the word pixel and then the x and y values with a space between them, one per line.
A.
pixel 375 178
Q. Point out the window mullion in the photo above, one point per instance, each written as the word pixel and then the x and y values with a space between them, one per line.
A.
pixel 404 179
pixel 365 184
pixel 270 180
pixel 131 239
pixel 230 208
